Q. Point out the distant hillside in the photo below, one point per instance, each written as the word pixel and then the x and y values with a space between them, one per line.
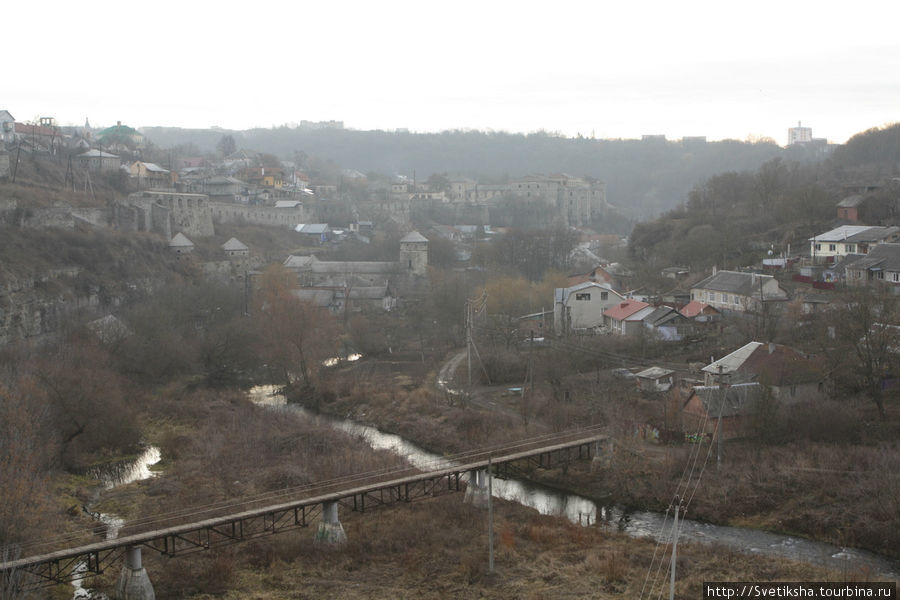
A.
pixel 873 153
pixel 644 178
pixel 735 217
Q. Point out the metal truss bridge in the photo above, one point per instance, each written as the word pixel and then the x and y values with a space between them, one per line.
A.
pixel 172 535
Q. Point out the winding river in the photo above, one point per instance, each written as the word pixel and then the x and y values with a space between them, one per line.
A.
pixel 111 478
pixel 585 511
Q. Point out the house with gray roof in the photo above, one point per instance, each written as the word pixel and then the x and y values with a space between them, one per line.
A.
pixel 881 264
pixel 314 232
pixel 668 324
pixel 733 291
pixel 655 379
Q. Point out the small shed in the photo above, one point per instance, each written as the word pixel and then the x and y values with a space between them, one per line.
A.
pixel 655 379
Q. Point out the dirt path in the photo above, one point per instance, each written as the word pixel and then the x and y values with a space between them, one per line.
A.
pixel 496 398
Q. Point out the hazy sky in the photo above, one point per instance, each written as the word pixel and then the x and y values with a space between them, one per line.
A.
pixel 720 69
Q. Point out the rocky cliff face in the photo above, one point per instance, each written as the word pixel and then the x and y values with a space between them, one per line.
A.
pixel 37 307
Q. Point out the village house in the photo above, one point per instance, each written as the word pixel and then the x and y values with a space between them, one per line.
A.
pixel 675 272
pixel 612 273
pixel 668 324
pixel 732 291
pixel 97 160
pixel 626 318
pixel 316 233
pixel 581 306
pixel 151 175
pixel 700 311
pixel 43 136
pixel 790 375
pixel 881 264
pixel 706 406
pixel 849 239
pixel 848 208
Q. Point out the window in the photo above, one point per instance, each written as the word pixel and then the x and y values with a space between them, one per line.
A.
pixel 605 295
pixel 583 296
pixel 895 277
pixel 818 247
pixel 725 298
pixel 832 247
pixel 850 248
pixel 736 300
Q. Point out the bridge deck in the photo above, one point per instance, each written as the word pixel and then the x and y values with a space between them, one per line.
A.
pixel 158 539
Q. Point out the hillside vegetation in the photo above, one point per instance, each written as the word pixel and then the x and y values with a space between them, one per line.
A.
pixel 736 217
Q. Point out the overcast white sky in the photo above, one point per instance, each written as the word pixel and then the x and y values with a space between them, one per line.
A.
pixel 623 69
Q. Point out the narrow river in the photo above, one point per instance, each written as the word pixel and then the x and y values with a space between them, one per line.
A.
pixel 638 524
pixel 125 474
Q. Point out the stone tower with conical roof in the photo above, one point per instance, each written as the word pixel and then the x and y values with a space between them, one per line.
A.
pixel 414 253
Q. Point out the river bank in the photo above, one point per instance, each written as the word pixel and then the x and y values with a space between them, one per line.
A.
pixel 847 495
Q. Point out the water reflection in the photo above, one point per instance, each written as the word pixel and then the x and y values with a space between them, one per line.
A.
pixel 584 511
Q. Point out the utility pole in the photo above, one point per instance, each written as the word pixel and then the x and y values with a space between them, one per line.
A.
pixel 469 339
pixel 723 397
pixel 490 517
pixel 677 503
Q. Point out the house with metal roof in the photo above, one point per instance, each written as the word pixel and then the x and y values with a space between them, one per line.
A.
pixel 881 264
pixel 668 324
pixel 581 306
pixel 849 239
pixel 788 373
pixel 655 379
pixel 97 160
pixel 314 232
pixel 735 291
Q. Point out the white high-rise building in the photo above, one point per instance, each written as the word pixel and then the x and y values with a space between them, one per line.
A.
pixel 799 135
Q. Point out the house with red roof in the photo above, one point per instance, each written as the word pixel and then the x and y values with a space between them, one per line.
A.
pixel 626 318
pixel 700 311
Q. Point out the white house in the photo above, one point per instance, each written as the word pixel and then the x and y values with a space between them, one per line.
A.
pixel 581 306
pixel 849 239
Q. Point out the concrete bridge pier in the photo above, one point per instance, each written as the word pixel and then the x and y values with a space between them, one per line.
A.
pixel 330 529
pixel 134 584
pixel 602 454
pixel 477 489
